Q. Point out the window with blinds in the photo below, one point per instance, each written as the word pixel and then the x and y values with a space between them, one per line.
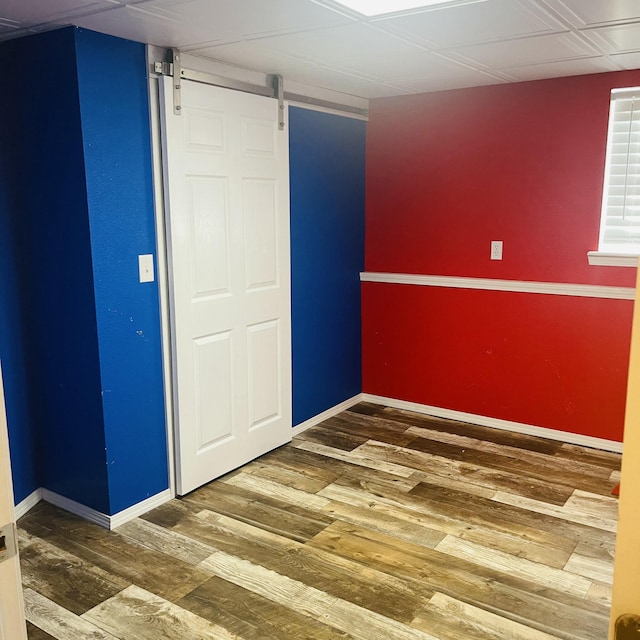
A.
pixel 620 223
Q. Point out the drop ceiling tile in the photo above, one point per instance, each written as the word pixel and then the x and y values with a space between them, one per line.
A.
pixel 423 64
pixel 583 13
pixel 617 39
pixel 485 21
pixel 579 67
pixel 231 20
pixel 187 23
pixel 136 23
pixel 346 83
pixel 32 13
pixel 251 55
pixel 627 60
pixel 357 46
pixel 537 50
pixel 452 82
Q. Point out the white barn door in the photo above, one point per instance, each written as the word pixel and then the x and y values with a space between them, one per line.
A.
pixel 226 167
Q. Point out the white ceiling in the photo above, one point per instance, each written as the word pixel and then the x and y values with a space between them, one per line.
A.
pixel 315 42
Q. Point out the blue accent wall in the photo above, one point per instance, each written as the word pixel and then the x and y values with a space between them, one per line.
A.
pixel 12 354
pixel 114 112
pixel 80 340
pixel 49 210
pixel 327 158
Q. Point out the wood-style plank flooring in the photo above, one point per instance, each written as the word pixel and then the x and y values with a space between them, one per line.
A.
pixel 376 524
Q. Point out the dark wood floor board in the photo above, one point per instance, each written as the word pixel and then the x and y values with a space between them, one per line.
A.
pixel 125 559
pixel 553 469
pixel 498 436
pixel 365 409
pixel 72 583
pixel 274 515
pixel 334 438
pixel 378 524
pixel 300 459
pixel 468 476
pixel 594 457
pixel 35 633
pixel 371 428
pixel 476 510
pixel 45 520
pixel 403 485
pixel 533 458
pixel 252 616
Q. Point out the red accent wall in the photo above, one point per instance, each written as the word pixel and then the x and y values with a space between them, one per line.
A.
pixel 447 173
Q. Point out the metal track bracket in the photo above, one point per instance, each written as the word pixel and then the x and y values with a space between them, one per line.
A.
pixel 278 92
pixel 177 82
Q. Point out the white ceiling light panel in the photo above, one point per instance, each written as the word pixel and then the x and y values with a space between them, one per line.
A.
pixel 381 7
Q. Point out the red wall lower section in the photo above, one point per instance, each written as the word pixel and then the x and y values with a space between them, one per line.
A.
pixel 552 361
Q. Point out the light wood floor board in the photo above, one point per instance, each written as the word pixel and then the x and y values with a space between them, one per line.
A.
pixel 485 620
pixel 519 567
pixel 58 622
pixel 354 458
pixel 376 524
pixel 253 617
pixel 587 518
pixel 341 614
pixel 136 613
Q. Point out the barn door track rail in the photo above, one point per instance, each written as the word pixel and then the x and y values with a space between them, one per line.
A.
pixel 273 89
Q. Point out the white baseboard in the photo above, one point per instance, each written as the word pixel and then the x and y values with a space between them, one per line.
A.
pixel 139 509
pixel 325 415
pixel 108 522
pixel 75 507
pixel 28 503
pixel 497 423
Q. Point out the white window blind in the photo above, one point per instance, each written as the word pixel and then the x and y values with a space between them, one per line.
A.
pixel 620 222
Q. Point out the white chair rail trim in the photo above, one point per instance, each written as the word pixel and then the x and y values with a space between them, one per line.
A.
pixel 515 286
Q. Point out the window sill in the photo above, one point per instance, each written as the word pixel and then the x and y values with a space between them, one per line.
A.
pixel 603 259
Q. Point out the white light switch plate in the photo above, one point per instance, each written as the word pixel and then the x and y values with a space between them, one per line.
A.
pixel 145 267
pixel 496 249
